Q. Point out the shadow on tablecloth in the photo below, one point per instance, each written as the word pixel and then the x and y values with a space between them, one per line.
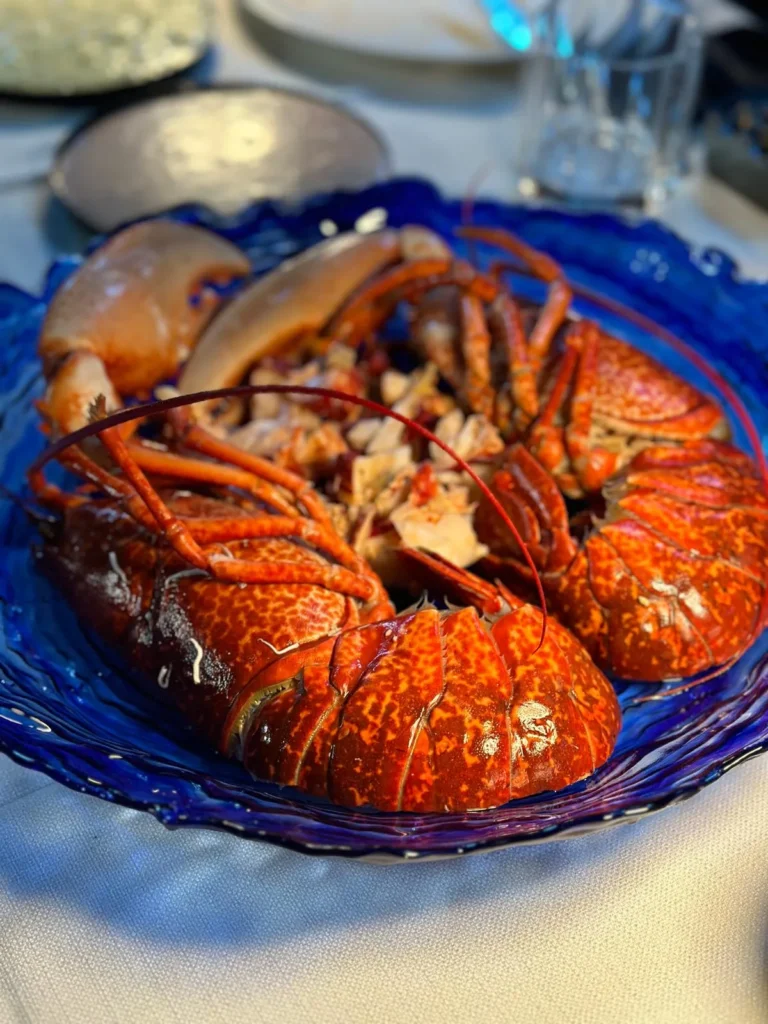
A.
pixel 203 888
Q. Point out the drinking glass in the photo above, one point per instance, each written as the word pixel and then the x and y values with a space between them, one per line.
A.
pixel 609 94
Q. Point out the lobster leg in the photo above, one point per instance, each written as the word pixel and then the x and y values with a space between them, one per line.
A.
pixel 169 464
pixel 436 327
pixel 537 488
pixel 374 303
pixel 500 541
pixel 50 495
pixel 506 318
pixel 459 584
pixel 476 346
pixel 546 439
pixel 462 276
pixel 593 465
pixel 223 567
pixel 332 577
pixel 559 296
pixel 170 526
pixel 529 494
pixel 200 440
pixel 78 462
pixel 357 316
pixel 210 531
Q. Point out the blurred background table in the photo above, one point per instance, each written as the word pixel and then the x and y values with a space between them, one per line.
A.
pixel 107 917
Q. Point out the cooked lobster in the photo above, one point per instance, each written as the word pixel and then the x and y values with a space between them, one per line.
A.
pixel 280 645
pixel 224 578
pixel 669 580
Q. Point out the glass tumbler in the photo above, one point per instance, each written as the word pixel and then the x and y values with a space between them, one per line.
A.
pixel 609 94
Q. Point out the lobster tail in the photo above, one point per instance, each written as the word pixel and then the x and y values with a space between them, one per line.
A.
pixel 432 711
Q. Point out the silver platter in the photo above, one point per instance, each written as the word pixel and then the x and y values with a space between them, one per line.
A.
pixel 222 147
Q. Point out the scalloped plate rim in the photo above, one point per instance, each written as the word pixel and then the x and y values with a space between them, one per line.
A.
pixel 13 744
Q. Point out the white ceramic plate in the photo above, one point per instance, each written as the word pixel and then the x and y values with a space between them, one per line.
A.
pixel 433 30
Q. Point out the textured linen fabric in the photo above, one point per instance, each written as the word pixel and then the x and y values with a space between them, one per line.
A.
pixel 107 918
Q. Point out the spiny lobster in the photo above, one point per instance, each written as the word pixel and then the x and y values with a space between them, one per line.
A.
pixel 344 698
pixel 280 645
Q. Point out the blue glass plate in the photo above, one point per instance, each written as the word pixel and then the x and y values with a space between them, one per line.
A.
pixel 67 706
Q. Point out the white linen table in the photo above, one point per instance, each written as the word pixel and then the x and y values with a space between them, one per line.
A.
pixel 107 918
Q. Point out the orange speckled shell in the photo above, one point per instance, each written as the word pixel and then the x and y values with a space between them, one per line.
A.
pixel 429 711
pixel 432 711
pixel 671 584
pixel 203 639
pixel 635 394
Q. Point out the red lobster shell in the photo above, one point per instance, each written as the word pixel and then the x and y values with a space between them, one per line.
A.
pixel 670 580
pixel 307 675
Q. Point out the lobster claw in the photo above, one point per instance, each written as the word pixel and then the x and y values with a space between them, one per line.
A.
pixel 296 300
pixel 130 307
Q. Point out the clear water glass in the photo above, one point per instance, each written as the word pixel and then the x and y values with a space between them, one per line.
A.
pixel 609 94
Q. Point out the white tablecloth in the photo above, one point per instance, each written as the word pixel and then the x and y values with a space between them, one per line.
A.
pixel 106 917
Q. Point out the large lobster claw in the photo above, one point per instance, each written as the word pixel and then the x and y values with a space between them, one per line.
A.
pixel 296 300
pixel 129 306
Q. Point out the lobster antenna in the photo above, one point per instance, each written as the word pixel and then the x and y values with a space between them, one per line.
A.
pixel 695 681
pixel 244 390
